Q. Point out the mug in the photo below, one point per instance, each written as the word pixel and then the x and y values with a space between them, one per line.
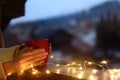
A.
pixel 39 44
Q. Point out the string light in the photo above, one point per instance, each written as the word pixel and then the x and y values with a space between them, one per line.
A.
pixel 76 70
pixel 73 63
pixel 67 65
pixel 9 73
pixel 79 64
pixel 51 57
pixel 91 77
pixel 89 63
pixel 22 71
pixel 94 71
pixel 58 71
pixel 80 76
pixel 34 71
pixel 57 65
pixel 47 72
pixel 104 62
pixel 81 68
pixel 31 66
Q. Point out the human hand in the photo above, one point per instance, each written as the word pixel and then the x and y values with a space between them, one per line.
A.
pixel 24 58
pixel 28 56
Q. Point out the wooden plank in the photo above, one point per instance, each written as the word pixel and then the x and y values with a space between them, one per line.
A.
pixel 42 76
pixel 13 8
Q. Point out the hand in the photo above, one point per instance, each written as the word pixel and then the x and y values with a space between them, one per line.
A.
pixel 24 58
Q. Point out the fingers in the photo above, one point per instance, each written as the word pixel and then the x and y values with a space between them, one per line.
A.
pixel 28 56
pixel 25 49
pixel 28 66
pixel 27 52
pixel 35 57
pixel 39 56
pixel 33 61
pixel 33 51
pixel 20 51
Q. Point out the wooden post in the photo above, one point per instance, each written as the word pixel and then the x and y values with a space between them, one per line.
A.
pixel 1 35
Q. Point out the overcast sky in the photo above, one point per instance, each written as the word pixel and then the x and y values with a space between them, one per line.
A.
pixel 43 9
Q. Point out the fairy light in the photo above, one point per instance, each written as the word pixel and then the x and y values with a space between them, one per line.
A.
pixel 47 72
pixel 80 76
pixel 57 65
pixel 91 77
pixel 112 77
pixel 31 66
pixel 76 70
pixel 73 70
pixel 79 64
pixel 92 63
pixel 9 73
pixel 111 71
pixel 68 70
pixel 89 63
pixel 115 70
pixel 101 66
pixel 51 57
pixel 67 65
pixel 104 62
pixel 81 68
pixel 58 71
pixel 94 71
pixel 34 71
pixel 118 70
pixel 22 71
pixel 73 63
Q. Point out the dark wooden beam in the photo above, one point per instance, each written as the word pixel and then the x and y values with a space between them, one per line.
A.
pixel 9 9
pixel 13 8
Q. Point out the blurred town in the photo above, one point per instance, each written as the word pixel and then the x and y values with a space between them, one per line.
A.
pixel 92 34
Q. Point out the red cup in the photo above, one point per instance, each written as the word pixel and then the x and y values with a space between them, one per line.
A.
pixel 40 44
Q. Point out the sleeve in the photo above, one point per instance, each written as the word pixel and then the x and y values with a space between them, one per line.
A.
pixel 6 54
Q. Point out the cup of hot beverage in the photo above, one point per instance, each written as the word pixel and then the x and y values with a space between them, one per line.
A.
pixel 44 44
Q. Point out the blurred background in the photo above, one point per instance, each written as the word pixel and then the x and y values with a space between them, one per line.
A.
pixel 77 29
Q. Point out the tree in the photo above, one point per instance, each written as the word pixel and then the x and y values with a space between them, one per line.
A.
pixel 108 35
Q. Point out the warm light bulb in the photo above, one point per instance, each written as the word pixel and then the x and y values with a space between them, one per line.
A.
pixel 80 76
pixel 58 71
pixel 47 72
pixel 31 66
pixel 89 63
pixel 104 62
pixel 22 71
pixel 34 71
pixel 68 65
pixel 9 74
pixel 112 77
pixel 79 64
pixel 57 65
pixel 94 71
pixel 81 68
pixel 91 77
pixel 73 63
pixel 52 57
